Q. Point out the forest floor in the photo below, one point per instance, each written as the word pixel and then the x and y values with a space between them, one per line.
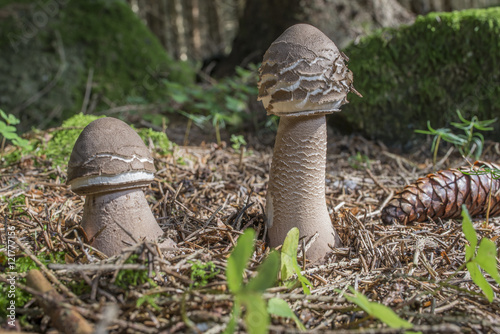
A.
pixel 204 197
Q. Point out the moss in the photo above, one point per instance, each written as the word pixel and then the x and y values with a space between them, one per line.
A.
pixel 21 265
pixel 58 149
pixel 120 49
pixel 426 71
pixel 105 36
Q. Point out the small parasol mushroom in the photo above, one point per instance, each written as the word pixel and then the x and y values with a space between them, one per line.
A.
pixel 110 165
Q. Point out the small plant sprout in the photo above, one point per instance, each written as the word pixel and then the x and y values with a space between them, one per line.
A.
pixel 442 133
pixel 257 310
pixel 469 143
pixel 201 272
pixel 473 140
pixel 127 278
pixel 148 300
pixel 237 141
pixel 479 257
pixel 238 144
pixel 359 161
pixel 8 131
pixel 217 103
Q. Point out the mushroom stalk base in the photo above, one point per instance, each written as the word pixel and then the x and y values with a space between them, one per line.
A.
pixel 125 217
pixel 296 193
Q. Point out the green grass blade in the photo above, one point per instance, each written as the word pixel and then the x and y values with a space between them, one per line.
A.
pixel 486 258
pixel 485 125
pixel 288 253
pixel 468 229
pixel 280 308
pixel 389 317
pixel 379 311
pixel 289 264
pixel 478 278
pixel 462 119
pixel 238 260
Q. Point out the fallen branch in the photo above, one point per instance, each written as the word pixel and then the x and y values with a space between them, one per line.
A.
pixel 67 320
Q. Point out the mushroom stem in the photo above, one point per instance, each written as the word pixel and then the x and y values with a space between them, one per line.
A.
pixel 120 213
pixel 296 194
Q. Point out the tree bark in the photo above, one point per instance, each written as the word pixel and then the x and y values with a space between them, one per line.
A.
pixel 155 17
pixel 195 34
pixel 214 25
pixel 341 20
pixel 262 22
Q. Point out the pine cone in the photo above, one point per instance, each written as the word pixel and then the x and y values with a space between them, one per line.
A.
pixel 441 195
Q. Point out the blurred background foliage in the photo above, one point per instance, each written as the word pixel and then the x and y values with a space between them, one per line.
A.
pixel 155 63
pixel 425 72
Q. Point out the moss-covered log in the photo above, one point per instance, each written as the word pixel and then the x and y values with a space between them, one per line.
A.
pixel 51 48
pixel 426 71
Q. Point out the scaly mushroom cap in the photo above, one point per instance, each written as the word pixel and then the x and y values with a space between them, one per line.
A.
pixel 302 73
pixel 109 155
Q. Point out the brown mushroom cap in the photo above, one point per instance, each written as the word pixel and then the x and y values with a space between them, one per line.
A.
pixel 303 72
pixel 109 155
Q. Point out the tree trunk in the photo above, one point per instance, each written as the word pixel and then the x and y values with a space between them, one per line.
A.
pixel 262 22
pixel 214 25
pixel 341 20
pixel 155 18
pixel 194 22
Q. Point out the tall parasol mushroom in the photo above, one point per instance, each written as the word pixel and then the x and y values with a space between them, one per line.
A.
pixel 303 77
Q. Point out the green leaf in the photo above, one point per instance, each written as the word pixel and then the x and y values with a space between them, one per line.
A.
pixel 479 146
pixel 256 317
pixel 280 308
pixel 468 228
pixel 359 299
pixel 379 311
pixel 389 317
pixel 289 253
pixel 478 278
pixel 454 139
pixel 235 105
pixel 10 119
pixel 4 128
pixel 486 258
pixel 23 143
pixel 238 260
pixel 484 125
pixel 3 114
pixel 266 274
pixel 469 253
pixel 424 132
pixel 149 300
pixel 430 127
pixel 289 261
pixel 302 279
